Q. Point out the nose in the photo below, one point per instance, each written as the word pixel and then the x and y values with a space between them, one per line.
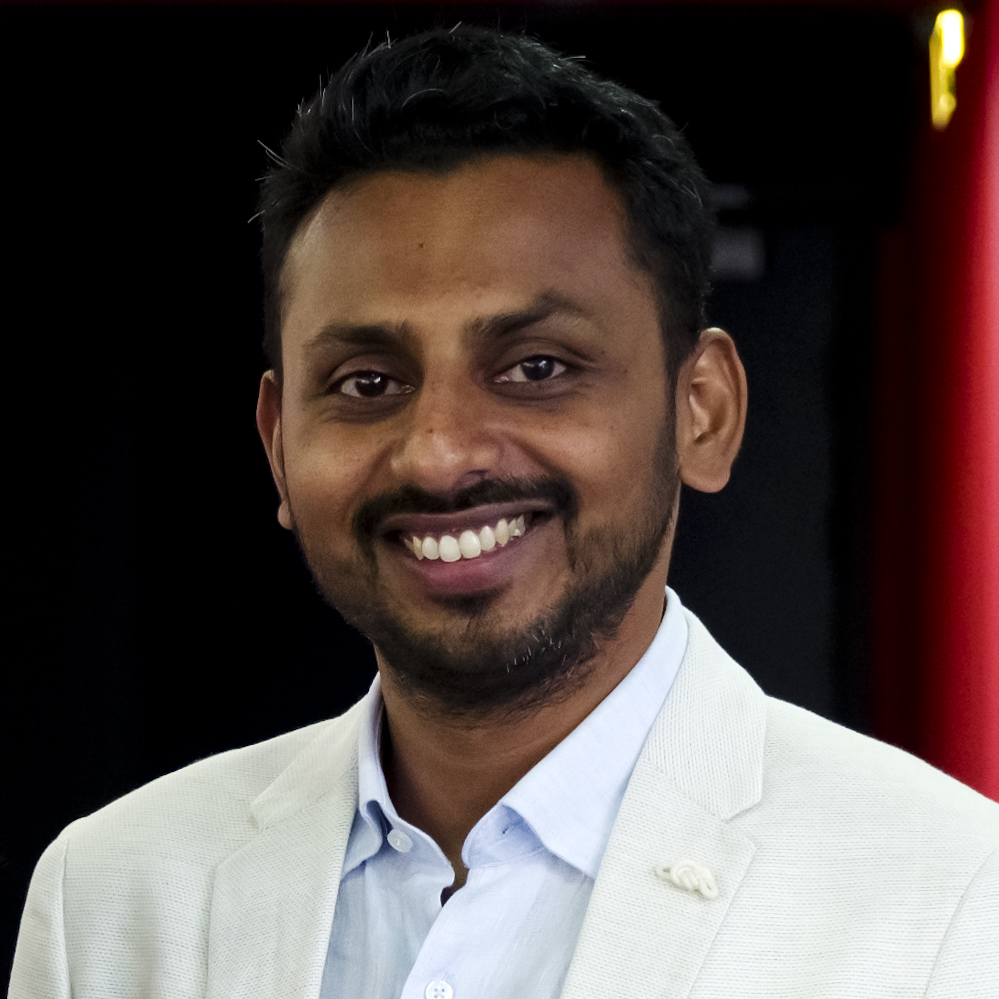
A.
pixel 450 439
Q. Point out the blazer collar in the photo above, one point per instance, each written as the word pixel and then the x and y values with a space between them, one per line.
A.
pixel 708 739
pixel 273 900
pixel 702 765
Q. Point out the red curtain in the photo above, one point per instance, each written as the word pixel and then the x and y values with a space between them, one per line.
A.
pixel 935 629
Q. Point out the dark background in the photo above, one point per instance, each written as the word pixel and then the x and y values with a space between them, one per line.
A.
pixel 156 611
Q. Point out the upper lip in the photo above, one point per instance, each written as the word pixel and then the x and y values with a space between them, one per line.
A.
pixel 472 519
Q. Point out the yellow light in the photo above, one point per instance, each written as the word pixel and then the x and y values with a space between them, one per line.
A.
pixel 951 25
pixel 946 51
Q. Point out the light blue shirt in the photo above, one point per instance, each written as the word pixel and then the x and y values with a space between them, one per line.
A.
pixel 532 860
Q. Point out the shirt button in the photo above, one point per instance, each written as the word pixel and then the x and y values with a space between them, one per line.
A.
pixel 439 990
pixel 398 840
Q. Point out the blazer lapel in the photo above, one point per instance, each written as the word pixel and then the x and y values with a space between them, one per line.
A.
pixel 274 899
pixel 644 936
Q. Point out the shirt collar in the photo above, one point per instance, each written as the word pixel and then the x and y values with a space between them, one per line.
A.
pixel 571 798
pixel 374 810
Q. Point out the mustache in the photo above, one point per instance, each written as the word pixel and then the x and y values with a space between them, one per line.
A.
pixel 556 492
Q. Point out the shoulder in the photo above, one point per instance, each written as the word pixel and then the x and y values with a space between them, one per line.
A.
pixel 211 793
pixel 873 845
pixel 200 813
pixel 796 770
pixel 866 861
pixel 133 881
pixel 867 787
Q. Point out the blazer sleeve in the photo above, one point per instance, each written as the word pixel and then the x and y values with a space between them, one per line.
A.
pixel 41 967
pixel 967 966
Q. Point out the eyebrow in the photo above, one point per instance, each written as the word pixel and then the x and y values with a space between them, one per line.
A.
pixel 358 334
pixel 544 306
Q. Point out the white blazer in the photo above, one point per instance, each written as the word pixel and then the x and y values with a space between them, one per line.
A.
pixel 843 868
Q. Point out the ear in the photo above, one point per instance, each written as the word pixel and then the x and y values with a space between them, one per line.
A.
pixel 711 397
pixel 269 426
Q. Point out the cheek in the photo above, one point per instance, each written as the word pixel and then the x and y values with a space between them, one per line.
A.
pixel 326 480
pixel 612 462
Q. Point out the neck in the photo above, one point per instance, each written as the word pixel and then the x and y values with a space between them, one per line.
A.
pixel 445 772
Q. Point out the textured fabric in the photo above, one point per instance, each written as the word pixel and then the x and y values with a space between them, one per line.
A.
pixel 844 868
pixel 532 859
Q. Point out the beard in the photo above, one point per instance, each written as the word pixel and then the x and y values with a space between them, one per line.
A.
pixel 473 664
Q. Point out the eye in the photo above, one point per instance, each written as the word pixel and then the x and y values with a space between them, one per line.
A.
pixel 533 369
pixel 371 385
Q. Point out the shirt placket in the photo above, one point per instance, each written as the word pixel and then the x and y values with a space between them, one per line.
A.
pixel 476 928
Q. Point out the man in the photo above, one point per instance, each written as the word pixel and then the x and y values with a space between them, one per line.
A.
pixel 485 273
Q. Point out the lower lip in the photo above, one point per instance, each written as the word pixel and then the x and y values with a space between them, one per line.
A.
pixel 489 571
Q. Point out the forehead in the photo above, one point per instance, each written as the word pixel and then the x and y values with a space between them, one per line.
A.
pixel 491 234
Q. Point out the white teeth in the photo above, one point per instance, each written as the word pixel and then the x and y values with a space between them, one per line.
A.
pixel 450 552
pixel 502 534
pixel 469 544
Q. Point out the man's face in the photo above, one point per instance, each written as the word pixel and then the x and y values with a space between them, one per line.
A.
pixel 476 446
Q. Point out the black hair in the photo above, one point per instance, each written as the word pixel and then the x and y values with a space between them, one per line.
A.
pixel 437 100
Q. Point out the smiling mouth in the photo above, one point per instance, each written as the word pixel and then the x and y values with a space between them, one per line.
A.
pixel 468 544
